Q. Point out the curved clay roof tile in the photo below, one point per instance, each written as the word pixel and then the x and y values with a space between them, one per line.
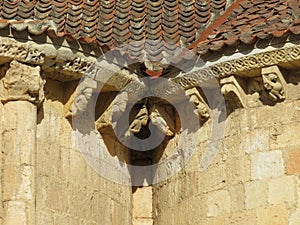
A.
pixel 110 23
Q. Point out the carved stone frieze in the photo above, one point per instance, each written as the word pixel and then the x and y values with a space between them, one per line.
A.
pixel 202 110
pixel 257 61
pixel 76 64
pixel 13 50
pixel 274 83
pixel 22 82
pixel 241 66
pixel 70 65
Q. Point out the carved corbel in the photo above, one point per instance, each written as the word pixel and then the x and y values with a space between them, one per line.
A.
pixel 232 89
pixel 79 100
pixel 162 120
pixel 202 110
pixel 141 119
pixel 274 83
pixel 22 82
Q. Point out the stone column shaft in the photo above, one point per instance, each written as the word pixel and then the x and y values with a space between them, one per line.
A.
pixel 19 148
pixel 21 90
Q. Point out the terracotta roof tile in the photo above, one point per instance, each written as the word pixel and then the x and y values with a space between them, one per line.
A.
pixel 249 20
pixel 198 24
pixel 110 23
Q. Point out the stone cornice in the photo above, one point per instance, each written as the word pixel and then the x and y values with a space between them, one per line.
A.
pixel 264 59
pixel 65 64
pixel 247 66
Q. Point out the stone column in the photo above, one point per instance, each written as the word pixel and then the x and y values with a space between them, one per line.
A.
pixel 21 90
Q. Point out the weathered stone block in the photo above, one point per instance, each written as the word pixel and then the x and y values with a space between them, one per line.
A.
pixel 142 203
pixel 267 164
pixel 19 138
pixel 281 190
pixel 238 169
pixel 295 217
pixel 240 218
pixel 273 215
pixel 285 136
pixel 15 213
pixel 218 202
pixel 256 194
pixel 256 140
pixel 142 222
pixel 292 162
pixel 237 196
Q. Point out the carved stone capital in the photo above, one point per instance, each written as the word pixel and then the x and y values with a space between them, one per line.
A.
pixel 202 110
pixel 274 83
pixel 22 82
pixel 232 89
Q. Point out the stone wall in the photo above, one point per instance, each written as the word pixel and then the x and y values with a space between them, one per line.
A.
pixel 44 178
pixel 254 179
pixel 68 190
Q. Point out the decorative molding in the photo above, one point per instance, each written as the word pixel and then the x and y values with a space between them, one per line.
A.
pixel 257 61
pixel 22 82
pixel 241 66
pixel 70 66
pixel 13 50
pixel 274 83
